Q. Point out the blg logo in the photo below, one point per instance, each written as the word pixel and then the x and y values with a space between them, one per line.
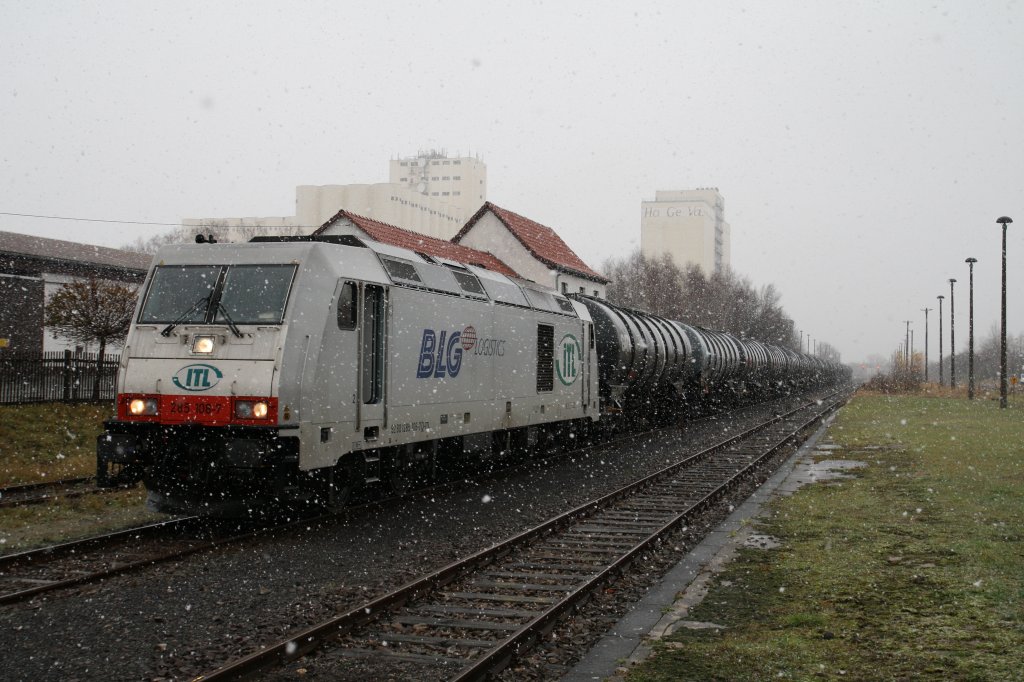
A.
pixel 442 354
pixel 197 377
pixel 568 357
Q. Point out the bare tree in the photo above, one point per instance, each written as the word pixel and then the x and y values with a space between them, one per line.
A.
pixel 723 301
pixel 151 244
pixel 92 311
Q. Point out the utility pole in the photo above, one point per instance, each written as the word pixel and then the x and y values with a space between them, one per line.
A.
pixel 906 350
pixel 1004 379
pixel 970 334
pixel 952 336
pixel 926 343
pixel 941 380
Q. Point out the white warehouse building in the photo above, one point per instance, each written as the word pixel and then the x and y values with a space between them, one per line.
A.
pixel 430 193
pixel 689 225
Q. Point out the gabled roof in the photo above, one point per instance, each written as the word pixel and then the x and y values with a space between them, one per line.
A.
pixel 539 240
pixel 58 250
pixel 397 236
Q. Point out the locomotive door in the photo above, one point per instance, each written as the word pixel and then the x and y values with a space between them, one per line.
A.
pixel 370 401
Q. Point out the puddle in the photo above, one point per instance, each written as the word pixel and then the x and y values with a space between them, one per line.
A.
pixel 832 469
pixel 759 541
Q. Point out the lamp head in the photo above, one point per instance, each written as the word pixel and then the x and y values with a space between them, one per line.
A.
pixel 952 281
pixel 972 261
pixel 1004 221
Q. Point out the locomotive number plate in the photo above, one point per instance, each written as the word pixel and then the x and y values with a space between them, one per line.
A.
pixel 208 410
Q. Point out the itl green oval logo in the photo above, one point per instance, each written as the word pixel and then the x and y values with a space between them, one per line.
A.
pixel 197 377
pixel 568 357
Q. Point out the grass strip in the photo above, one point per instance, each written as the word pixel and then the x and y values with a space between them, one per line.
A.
pixel 49 441
pixel 913 569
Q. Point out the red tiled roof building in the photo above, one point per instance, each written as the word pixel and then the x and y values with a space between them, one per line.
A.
pixel 532 249
pixel 347 222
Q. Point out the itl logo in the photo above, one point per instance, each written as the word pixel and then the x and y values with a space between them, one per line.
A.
pixel 197 377
pixel 567 359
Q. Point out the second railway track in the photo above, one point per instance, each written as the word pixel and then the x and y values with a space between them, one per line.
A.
pixel 471 619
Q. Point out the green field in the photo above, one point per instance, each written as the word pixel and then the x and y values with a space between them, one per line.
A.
pixel 51 441
pixel 914 569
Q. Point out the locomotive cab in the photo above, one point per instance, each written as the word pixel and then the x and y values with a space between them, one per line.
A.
pixel 204 351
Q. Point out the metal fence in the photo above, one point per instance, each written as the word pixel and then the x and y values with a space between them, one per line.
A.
pixel 60 376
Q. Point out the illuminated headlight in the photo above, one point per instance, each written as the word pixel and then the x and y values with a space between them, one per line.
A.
pixel 140 406
pixel 251 409
pixel 202 345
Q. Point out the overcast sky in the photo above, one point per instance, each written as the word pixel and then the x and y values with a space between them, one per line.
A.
pixel 863 149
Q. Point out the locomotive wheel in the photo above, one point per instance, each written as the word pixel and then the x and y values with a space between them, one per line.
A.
pixel 340 485
pixel 409 468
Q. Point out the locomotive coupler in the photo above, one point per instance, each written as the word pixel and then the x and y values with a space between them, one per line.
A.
pixel 118 460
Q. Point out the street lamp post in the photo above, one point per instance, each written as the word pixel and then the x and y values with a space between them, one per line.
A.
pixel 1004 380
pixel 970 333
pixel 952 336
pixel 941 378
pixel 906 350
pixel 926 343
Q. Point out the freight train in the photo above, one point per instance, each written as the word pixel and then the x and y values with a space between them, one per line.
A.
pixel 303 369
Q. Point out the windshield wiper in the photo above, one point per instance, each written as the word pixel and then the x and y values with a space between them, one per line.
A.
pixel 184 316
pixel 231 323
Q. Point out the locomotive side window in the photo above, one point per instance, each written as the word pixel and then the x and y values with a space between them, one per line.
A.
pixel 400 270
pixel 347 306
pixel 545 358
pixel 373 343
pixel 180 293
pixel 468 282
pixel 255 294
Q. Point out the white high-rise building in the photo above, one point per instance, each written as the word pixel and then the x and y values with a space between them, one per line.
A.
pixel 689 225
pixel 430 193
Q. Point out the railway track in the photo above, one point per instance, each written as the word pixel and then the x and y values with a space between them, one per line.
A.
pixel 46 491
pixel 471 619
pixel 30 573
pixel 24 575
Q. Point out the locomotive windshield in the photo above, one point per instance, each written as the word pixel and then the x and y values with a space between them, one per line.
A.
pixel 255 294
pixel 233 294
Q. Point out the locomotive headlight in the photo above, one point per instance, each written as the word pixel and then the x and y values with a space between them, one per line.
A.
pixel 140 406
pixel 251 409
pixel 202 345
pixel 259 410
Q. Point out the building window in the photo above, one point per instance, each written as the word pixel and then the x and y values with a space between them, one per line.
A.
pixel 433 194
pixel 565 288
pixel 583 290
pixel 447 162
pixel 444 194
pixel 415 163
pixel 405 163
pixel 595 293
pixel 446 178
pixel 456 177
pixel 456 162
pixel 455 194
